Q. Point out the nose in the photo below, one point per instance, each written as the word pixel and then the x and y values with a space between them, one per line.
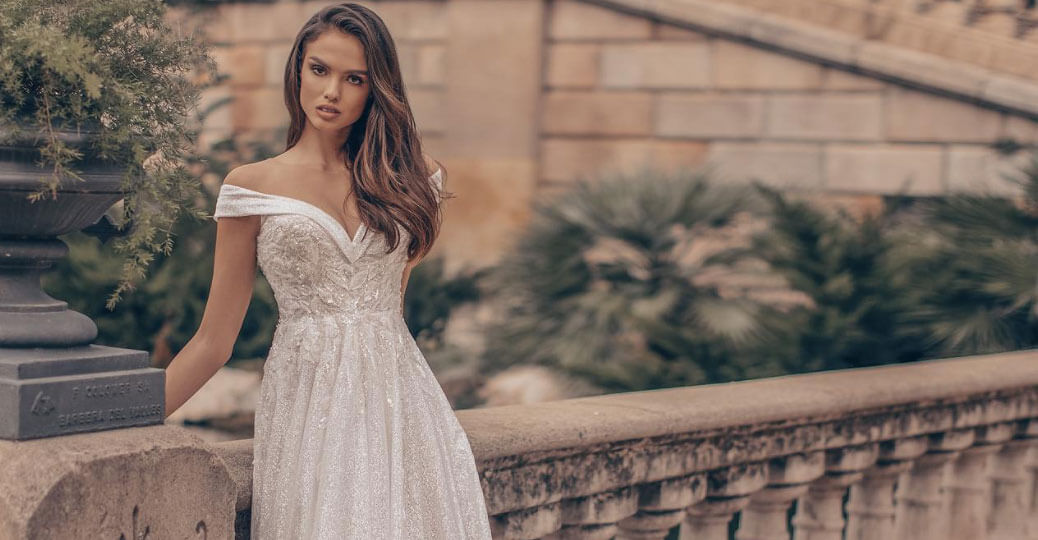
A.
pixel 331 91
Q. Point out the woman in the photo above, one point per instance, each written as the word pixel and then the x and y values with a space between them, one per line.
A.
pixel 354 437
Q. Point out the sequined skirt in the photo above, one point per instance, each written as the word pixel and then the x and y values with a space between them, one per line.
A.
pixel 354 438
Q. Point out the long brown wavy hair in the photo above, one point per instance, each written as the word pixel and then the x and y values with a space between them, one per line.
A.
pixel 383 149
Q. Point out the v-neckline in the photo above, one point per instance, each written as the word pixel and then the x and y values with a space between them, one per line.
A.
pixel 352 239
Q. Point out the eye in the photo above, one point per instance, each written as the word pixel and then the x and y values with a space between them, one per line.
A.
pixel 315 67
pixel 360 80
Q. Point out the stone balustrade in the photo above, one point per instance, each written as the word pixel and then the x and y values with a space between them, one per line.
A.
pixel 937 450
pixel 943 449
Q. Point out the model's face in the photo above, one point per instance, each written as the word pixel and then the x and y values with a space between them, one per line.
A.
pixel 334 74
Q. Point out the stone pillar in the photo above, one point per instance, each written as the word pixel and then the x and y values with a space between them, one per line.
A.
pixel 661 507
pixel 533 522
pixel 788 477
pixel 1033 467
pixel 920 503
pixel 820 511
pixel 594 517
pixel 728 491
pixel 143 482
pixel 969 487
pixel 870 510
pixel 1010 501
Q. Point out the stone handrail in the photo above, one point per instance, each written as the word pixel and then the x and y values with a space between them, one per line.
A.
pixel 997 35
pixel 958 433
pixel 941 449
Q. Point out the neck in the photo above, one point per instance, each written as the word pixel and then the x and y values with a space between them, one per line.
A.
pixel 322 149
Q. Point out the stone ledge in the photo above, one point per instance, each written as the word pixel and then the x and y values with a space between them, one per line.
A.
pixel 535 455
pixel 117 483
pixel 501 432
pixel 832 48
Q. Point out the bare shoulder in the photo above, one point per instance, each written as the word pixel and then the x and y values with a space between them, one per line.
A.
pixel 249 175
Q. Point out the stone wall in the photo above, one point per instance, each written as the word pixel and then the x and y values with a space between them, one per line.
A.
pixel 621 90
pixel 518 98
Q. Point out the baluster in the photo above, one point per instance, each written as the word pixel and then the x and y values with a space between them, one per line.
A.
pixel 661 506
pixel 870 510
pixel 1009 497
pixel 920 504
pixel 1033 509
pixel 594 517
pixel 788 478
pixel 1029 430
pixel 968 489
pixel 820 511
pixel 528 522
pixel 728 491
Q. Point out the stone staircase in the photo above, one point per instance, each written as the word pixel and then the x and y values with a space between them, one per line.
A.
pixel 1001 35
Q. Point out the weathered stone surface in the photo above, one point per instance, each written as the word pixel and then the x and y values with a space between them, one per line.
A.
pixel 219 99
pixel 981 169
pixel 155 481
pixel 710 115
pixel 1020 129
pixel 579 20
pixel 738 66
pixel 597 113
pixel 565 160
pixel 1019 94
pixel 259 108
pixel 245 64
pixel 263 23
pixel 803 38
pixel 406 20
pixel 670 32
pixel 528 522
pixel 916 169
pixel 921 67
pixel 431 65
pixel 276 59
pixel 909 115
pixel 572 65
pixel 237 457
pixel 855 117
pixel 608 507
pixel 656 65
pixel 491 203
pixel 503 39
pixel 428 109
pixel 785 165
pixel 840 79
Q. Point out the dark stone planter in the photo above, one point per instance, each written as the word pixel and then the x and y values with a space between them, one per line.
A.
pixel 52 379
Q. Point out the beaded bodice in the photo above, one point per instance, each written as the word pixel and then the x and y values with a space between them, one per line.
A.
pixel 313 265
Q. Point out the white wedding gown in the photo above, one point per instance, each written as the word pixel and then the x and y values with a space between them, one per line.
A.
pixel 354 438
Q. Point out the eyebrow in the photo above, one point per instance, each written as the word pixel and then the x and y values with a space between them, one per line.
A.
pixel 316 59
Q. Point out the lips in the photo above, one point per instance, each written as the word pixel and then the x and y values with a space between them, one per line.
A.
pixel 327 108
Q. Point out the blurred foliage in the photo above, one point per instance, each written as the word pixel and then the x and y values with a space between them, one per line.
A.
pixel 978 268
pixel 862 295
pixel 116 68
pixel 431 296
pixel 597 286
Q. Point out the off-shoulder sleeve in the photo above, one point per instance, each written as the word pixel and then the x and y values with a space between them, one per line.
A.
pixel 437 182
pixel 236 201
